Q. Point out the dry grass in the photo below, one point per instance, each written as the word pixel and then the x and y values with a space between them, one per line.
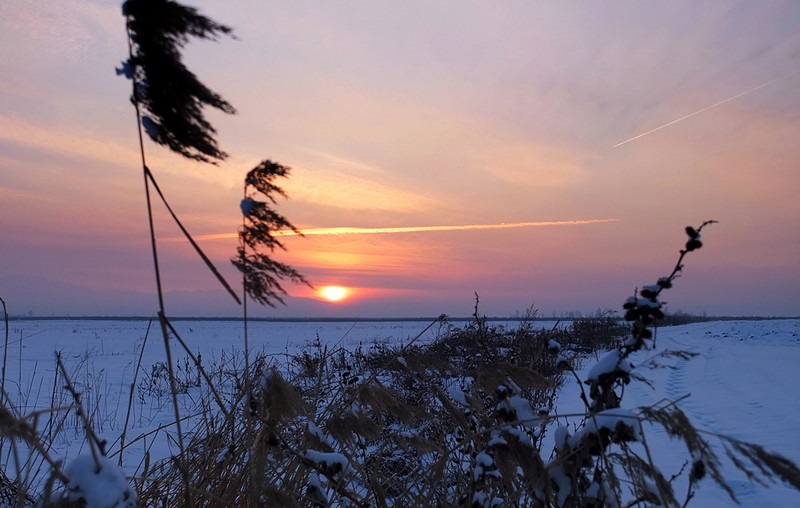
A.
pixel 459 421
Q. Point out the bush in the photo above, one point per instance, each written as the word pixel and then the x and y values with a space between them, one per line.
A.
pixel 406 426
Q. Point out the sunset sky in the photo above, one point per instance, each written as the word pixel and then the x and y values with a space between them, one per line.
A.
pixel 541 154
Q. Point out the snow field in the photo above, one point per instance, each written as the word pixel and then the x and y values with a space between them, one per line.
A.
pixel 741 383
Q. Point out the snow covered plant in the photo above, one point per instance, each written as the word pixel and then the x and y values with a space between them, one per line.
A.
pixel 96 483
pixel 606 460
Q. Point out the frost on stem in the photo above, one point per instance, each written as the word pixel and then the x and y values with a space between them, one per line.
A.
pixel 259 239
pixel 170 93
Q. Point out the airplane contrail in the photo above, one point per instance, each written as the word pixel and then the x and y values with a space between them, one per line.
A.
pixel 734 97
pixel 413 229
pixel 425 229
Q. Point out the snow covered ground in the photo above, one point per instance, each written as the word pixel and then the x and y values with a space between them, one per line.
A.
pixel 742 383
pixel 101 358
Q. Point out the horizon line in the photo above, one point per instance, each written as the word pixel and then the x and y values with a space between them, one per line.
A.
pixel 707 317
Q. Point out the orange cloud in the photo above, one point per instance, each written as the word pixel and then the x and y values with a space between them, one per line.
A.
pixel 343 183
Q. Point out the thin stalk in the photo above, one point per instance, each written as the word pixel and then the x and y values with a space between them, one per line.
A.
pixel 200 369
pixel 174 391
pixel 19 374
pixel 206 260
pixel 244 302
pixel 53 405
pixel 94 441
pixel 145 435
pixel 659 486
pixel 5 359
pixel 251 471
pixel 5 347
pixel 157 271
pixel 130 395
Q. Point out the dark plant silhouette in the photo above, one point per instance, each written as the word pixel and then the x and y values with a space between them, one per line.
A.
pixel 590 464
pixel 643 312
pixel 259 236
pixel 169 101
pixel 171 95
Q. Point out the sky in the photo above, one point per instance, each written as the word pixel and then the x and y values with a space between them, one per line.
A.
pixel 579 138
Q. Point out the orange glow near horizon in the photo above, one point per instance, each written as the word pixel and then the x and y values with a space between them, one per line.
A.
pixel 472 165
pixel 333 293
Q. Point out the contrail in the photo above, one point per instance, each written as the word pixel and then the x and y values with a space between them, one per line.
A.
pixel 425 229
pixel 414 229
pixel 759 87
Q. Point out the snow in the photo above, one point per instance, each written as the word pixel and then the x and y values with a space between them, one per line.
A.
pixel 496 440
pixel 611 420
pixel 483 461
pixel 101 356
pixel 561 482
pixel 520 407
pixel 316 432
pixel 316 489
pixel 561 436
pixel 609 363
pixel 742 383
pixel 125 69
pixel 648 303
pixel 247 206
pixel 331 463
pixel 98 484
pixel 455 393
pixel 150 126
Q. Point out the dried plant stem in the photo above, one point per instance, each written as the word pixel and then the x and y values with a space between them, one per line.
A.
pixel 200 369
pixel 147 175
pixel 5 360
pixel 206 260
pixel 130 395
pixel 158 429
pixel 94 441
pixel 5 348
pixel 174 393
pixel 243 257
pixel 661 494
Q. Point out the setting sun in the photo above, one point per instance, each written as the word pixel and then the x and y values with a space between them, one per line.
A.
pixel 333 293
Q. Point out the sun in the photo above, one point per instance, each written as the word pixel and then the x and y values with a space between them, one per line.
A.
pixel 333 293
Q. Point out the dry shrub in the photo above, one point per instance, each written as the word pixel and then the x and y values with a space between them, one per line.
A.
pixel 391 426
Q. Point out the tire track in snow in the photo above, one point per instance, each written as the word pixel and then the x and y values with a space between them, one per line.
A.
pixel 743 385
